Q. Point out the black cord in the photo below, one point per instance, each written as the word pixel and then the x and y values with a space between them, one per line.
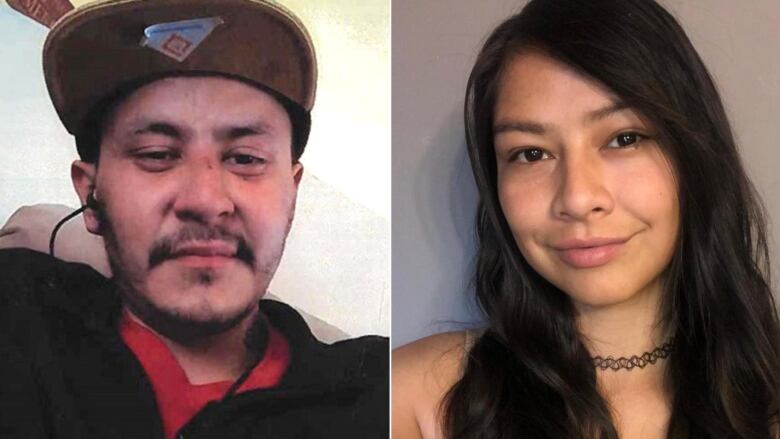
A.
pixel 257 344
pixel 53 235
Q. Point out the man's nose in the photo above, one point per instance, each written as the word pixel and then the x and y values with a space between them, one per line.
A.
pixel 204 194
pixel 583 191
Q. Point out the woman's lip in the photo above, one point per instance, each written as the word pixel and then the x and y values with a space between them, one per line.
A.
pixel 589 253
pixel 589 257
pixel 571 244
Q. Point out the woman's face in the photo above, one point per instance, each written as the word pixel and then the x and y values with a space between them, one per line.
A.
pixel 589 196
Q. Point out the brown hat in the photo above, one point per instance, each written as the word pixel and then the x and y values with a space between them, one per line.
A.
pixel 93 50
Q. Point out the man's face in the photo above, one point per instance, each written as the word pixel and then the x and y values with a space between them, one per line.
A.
pixel 197 192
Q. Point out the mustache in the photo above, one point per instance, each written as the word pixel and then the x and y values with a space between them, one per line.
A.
pixel 163 248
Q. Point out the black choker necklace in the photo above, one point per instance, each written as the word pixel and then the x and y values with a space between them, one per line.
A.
pixel 641 361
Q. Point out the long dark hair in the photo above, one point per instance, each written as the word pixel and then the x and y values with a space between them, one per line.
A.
pixel 529 374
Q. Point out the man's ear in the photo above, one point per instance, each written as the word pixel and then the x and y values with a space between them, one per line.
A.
pixel 297 169
pixel 83 175
pixel 297 173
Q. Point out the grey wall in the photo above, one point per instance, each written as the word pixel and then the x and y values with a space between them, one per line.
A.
pixel 434 201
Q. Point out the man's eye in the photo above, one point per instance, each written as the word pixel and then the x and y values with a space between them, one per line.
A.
pixel 244 160
pixel 156 160
pixel 157 155
pixel 529 155
pixel 623 140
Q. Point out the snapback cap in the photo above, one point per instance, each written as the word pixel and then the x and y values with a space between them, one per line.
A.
pixel 94 50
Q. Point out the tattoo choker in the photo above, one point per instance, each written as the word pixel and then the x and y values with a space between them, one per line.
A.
pixel 641 361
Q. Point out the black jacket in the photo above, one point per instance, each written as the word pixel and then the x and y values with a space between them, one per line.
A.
pixel 66 373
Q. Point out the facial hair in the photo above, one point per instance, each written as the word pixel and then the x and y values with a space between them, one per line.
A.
pixel 172 323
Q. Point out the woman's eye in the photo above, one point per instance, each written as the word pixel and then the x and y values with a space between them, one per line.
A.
pixel 529 155
pixel 625 139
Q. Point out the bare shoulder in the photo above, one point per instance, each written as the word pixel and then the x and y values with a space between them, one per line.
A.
pixel 423 372
pixel 436 353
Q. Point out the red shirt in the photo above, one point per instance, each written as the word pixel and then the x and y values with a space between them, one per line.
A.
pixel 179 400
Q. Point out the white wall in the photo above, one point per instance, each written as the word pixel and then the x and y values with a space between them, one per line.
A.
pixel 337 262
pixel 434 200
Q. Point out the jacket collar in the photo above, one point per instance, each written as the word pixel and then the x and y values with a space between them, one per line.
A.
pixel 88 296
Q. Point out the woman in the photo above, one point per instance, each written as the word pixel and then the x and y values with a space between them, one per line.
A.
pixel 623 264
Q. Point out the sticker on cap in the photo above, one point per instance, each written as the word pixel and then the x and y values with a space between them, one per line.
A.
pixel 178 39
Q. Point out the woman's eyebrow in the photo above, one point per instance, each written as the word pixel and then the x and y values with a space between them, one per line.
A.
pixel 541 128
pixel 601 113
pixel 520 125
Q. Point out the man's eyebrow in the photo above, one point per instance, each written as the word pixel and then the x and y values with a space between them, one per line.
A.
pixel 520 125
pixel 601 113
pixel 163 128
pixel 239 131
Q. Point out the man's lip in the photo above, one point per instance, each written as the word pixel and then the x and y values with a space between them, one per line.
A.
pixel 205 249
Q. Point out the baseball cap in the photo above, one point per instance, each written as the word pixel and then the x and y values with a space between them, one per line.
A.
pixel 94 50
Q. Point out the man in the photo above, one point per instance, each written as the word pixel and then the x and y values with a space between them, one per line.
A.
pixel 190 117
